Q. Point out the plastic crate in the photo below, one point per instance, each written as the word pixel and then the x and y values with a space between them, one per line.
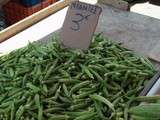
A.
pixel 15 12
pixel 30 3
pixel 46 3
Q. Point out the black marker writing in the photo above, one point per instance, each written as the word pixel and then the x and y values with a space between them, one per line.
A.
pixel 78 21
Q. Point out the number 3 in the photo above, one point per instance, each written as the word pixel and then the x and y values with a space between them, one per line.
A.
pixel 77 22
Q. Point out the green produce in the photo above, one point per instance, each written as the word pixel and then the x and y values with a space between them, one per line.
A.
pixel 46 82
pixel 146 111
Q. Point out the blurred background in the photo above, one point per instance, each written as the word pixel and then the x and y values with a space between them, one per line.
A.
pixel 12 11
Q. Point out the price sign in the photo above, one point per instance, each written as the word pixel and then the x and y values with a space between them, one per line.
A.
pixel 79 25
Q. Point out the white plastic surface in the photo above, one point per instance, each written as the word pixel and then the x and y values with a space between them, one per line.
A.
pixel 35 32
pixel 155 89
pixel 147 9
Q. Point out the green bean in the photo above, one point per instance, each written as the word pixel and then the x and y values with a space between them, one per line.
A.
pixel 53 89
pixel 19 112
pixel 37 100
pixel 147 111
pixel 85 117
pixel 6 104
pixel 65 90
pixel 33 87
pixel 143 118
pixel 64 99
pixel 76 114
pixel 148 98
pixel 58 91
pixel 45 81
pixel 40 113
pixel 45 90
pixel 126 113
pixel 50 69
pixel 15 91
pixel 29 104
pixel 68 81
pixel 86 70
pixel 59 117
pixel 78 86
pixel 49 99
pixel 64 73
pixel 24 80
pixel 78 106
pixel 52 110
pixel 12 111
pixel 90 88
pixel 99 112
pixel 116 96
pixel 103 100
pixel 84 94
pixel 32 115
pixel 99 78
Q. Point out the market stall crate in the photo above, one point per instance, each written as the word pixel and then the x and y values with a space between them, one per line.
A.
pixel 30 3
pixel 23 12
pixel 20 12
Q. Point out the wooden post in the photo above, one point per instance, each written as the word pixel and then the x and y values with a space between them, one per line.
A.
pixel 27 22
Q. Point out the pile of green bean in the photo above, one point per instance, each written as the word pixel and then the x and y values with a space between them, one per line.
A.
pixel 46 82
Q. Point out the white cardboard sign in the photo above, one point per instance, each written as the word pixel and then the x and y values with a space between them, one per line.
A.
pixel 79 25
